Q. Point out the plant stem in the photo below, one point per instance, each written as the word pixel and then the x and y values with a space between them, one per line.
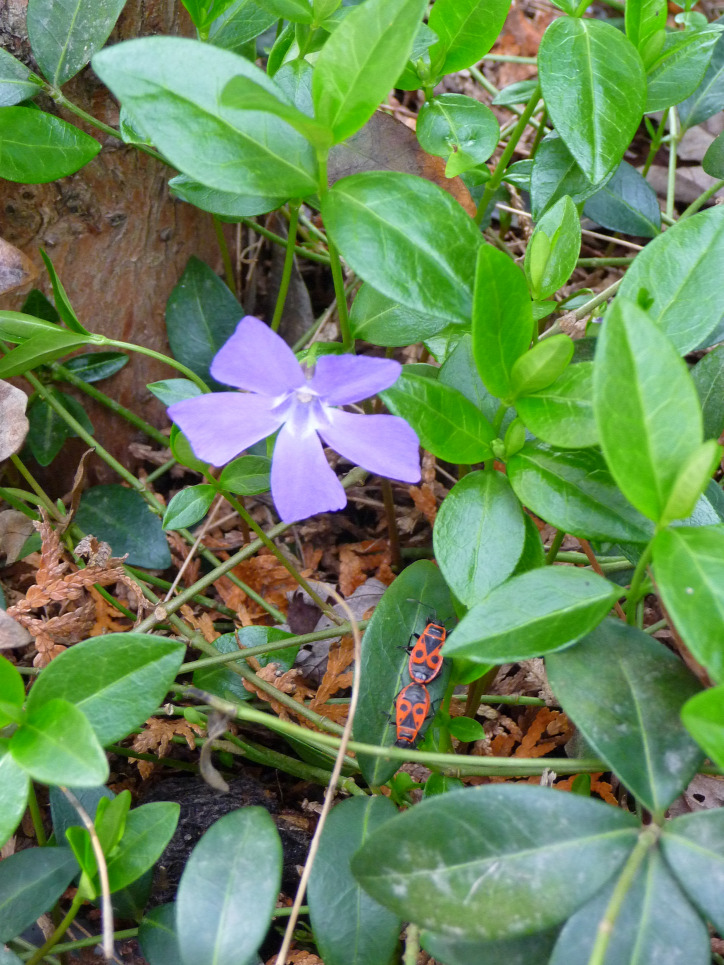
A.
pixel 654 146
pixel 294 207
pixel 59 931
pixel 225 256
pixel 603 262
pixel 36 816
pixel 152 353
pixel 340 295
pixel 94 940
pixel 636 581
pixel 673 144
pixel 701 200
pixel 554 547
pixel 45 500
pixel 504 59
pixel 278 240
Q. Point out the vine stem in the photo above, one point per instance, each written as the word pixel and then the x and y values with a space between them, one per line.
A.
pixel 142 350
pixel 294 207
pixel 336 266
pixel 673 144
pixel 636 581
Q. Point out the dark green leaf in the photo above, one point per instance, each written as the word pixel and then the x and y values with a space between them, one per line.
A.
pixel 14 787
pixel 646 406
pixel 131 674
pixel 693 846
pixel 95 366
pixel 459 128
pixel 597 101
pixel 121 517
pixel 232 207
pixel 48 430
pixel 17 83
pixel 624 691
pixel 703 718
pixel 533 554
pixel 459 371
pixel 31 881
pixel 680 66
pixel 350 928
pixel 528 950
pixel 229 888
pixel 147 832
pixel 562 413
pixel 238 24
pixel 169 391
pixel 394 229
pixel 246 476
pixel 188 506
pixel 447 424
pixel 525 844
pixel 19 327
pixel 519 92
pixel 36 147
pixel 62 302
pixel 531 615
pixel 553 249
pixel 244 152
pixel 627 204
pixel 713 162
pixel 556 174
pixel 157 936
pixel 708 376
pixel 64 815
pixel 708 98
pixel 12 692
pixel 380 321
pixel 47 346
pixel 479 535
pixel 223 682
pixel 467 30
pixel 679 273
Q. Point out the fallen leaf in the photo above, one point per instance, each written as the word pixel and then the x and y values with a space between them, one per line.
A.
pixel 11 633
pixel 15 528
pixel 13 421
pixel 156 738
pixel 16 269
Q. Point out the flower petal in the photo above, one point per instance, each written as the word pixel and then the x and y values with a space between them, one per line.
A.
pixel 257 359
pixel 220 425
pixel 302 481
pixel 383 444
pixel 341 379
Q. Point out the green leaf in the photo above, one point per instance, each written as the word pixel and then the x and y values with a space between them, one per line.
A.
pixel 182 452
pixel 245 94
pixel 31 881
pixel 459 372
pixel 525 843
pixel 377 319
pixel 527 950
pixel 169 391
pixel 64 35
pixel 246 476
pixel 37 304
pixel 555 174
pixel 519 92
pixel 121 517
pixel 56 745
pixel 575 492
pixel 229 888
pixel 361 62
pixel 713 162
pixel 298 11
pixel 459 128
pixel 201 315
pixel 17 82
pixel 350 928
pixel 680 67
pixel 36 147
pixel 678 271
pixel 561 227
pixel 49 430
pixel 646 406
pixel 131 674
pixel 404 609
pixel 148 830
pixel 531 615
pixel 624 692
pixel 562 413
pixel 502 319
pixel 627 204
pixel 693 846
pixel 447 424
pixel 708 98
pixel 95 366
pixel 654 916
pixel 644 19
pixel 19 327
pixel 225 204
pixel 14 788
pixel 62 302
pixel 479 535
pixel 188 506
pixel 12 692
pixel 597 101
pixel 703 717
pixel 708 376
pixel 541 365
pixel 157 936
pixel 394 229
pixel 244 152
pixel 693 478
pixel 46 346
pixel 689 570
pixel 467 29
pixel 64 815
pixel 243 21
pixel 533 554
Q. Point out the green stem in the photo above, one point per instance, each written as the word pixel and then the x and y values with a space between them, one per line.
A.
pixel 36 816
pixel 654 146
pixel 278 240
pixel 294 207
pixel 339 292
pixel 43 499
pixel 636 581
pixel 701 200
pixel 225 256
pixel 504 59
pixel 59 931
pixel 673 144
pixel 161 471
pixel 412 945
pixel 555 546
pixel 502 165
pixel 603 262
pixel 159 356
pixel 94 940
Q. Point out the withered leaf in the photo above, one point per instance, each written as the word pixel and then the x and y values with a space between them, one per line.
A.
pixel 16 269
pixel 13 421
pixel 11 633
pixel 15 527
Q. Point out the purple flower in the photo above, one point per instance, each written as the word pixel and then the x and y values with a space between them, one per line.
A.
pixel 280 394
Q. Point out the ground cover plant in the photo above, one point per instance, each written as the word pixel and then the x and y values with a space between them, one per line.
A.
pixel 510 715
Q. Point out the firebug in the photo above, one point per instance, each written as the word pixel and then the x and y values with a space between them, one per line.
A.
pixel 411 708
pixel 425 654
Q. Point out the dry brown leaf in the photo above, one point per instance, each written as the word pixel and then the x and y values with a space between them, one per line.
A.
pixel 204 623
pixel 15 528
pixel 156 737
pixel 358 560
pixel 600 788
pixel 14 424
pixel 425 502
pixel 287 683
pixel 337 676
pixel 16 269
pixel 298 957
pixel 552 722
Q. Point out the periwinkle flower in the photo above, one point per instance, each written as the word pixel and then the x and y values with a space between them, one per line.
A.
pixel 280 394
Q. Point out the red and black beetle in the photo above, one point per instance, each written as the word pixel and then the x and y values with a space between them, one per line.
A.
pixel 411 708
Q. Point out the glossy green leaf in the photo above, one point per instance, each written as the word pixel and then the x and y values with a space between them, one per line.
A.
pixel 169 391
pixel 350 928
pixel 624 691
pixel 708 98
pixel 48 430
pixel 555 174
pixel 17 82
pixel 703 717
pixel 627 203
pixel 188 506
pixel 36 147
pixel 56 745
pixel 693 477
pixel 46 346
pixel 31 881
pixel 121 517
pixel 95 366
pixel 519 92
pixel 562 413
pixel 525 843
pixel 594 88
pixel 229 888
pixel 182 452
pixel 644 19
pixel 131 674
pixel 298 11
pixel 14 788
pixel 531 615
pixel 646 407
pixel 12 692
pixel 459 371
pixel 459 128
pixel 689 570
pixel 221 679
pixel 693 846
pixel 502 319
pixel 533 554
pixel 64 815
pixel 361 61
pixel 245 152
pixel 680 66
pixel 157 936
pixel 708 376
pixel 713 161
pixel 19 327
pixel 246 476
pixel 541 365
pixel 243 93
pixel 479 535
pixel 64 35
pixel 561 228
pixel 394 229
pixel 575 492
pixel 238 24
pixel 405 608
pixel 147 832
pixel 654 923
pixel 229 206
pixel 62 303
pixel 527 950
pixel 466 29
pixel 377 319
pixel 679 271
pixel 447 424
